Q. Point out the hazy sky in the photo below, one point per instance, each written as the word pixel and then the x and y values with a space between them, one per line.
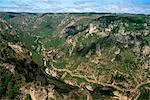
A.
pixel 113 6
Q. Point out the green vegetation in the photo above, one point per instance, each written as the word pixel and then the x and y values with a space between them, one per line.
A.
pixel 54 43
pixel 102 68
pixel 28 97
pixel 144 93
pixel 119 77
pixel 37 58
pixel 80 80
pixel 76 64
pixel 61 63
pixel 134 27
pixel 104 94
pixel 9 84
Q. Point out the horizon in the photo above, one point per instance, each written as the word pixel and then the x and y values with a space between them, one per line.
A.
pixel 76 6
pixel 71 13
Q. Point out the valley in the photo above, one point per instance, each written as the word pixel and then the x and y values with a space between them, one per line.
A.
pixel 77 56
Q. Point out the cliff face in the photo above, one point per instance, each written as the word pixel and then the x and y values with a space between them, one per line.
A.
pixel 79 56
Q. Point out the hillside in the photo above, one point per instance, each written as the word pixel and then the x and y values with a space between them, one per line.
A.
pixel 76 56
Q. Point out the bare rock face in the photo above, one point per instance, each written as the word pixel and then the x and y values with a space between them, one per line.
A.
pixel 92 29
pixel 146 50
pixel 120 96
pixel 16 48
pixel 38 92
pixel 10 67
pixel 103 34
pixel 117 51
pixel 89 87
pixel 136 50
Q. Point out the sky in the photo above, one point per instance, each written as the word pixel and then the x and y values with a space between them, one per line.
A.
pixel 55 6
